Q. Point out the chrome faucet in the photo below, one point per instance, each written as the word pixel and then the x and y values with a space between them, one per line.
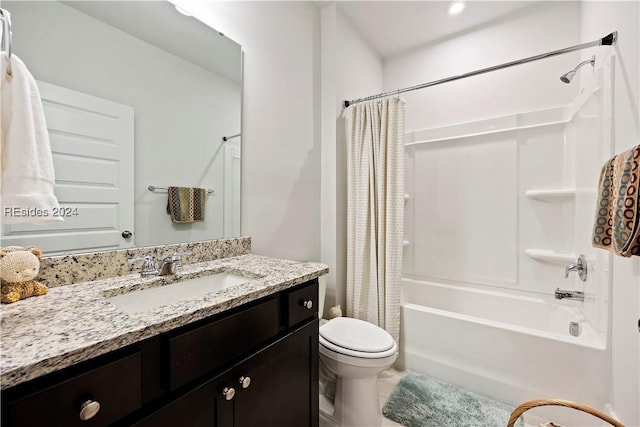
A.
pixel 149 268
pixel 573 295
pixel 172 264
pixel 580 266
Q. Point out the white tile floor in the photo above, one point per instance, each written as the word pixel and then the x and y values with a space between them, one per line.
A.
pixel 387 381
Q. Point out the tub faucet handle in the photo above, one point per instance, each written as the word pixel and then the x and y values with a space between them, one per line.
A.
pixel 569 268
pixel 580 266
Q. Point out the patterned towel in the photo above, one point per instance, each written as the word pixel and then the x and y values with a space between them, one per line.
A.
pixel 186 204
pixel 617 224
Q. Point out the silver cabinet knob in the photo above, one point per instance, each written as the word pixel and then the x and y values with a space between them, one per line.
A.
pixel 308 304
pixel 228 392
pixel 89 409
pixel 245 382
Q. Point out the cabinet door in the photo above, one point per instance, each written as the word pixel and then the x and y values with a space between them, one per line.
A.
pixel 209 405
pixel 283 386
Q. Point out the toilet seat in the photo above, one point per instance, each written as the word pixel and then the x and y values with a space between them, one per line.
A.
pixel 357 338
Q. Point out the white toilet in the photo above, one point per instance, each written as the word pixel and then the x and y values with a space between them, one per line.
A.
pixel 354 351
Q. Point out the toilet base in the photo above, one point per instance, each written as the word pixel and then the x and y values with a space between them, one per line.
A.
pixel 356 403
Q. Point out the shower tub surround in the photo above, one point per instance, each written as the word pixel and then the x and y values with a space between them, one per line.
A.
pixel 76 322
pixel 509 347
pixel 487 250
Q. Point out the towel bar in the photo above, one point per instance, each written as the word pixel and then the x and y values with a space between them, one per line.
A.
pixel 154 189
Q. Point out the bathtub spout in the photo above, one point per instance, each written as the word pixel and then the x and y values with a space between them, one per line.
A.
pixel 574 295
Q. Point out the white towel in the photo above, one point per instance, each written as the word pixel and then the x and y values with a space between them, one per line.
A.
pixel 27 178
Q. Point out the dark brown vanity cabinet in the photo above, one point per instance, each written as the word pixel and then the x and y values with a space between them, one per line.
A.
pixel 256 365
pixel 275 387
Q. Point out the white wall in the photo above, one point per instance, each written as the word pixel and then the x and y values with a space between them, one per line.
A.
pixel 178 136
pixel 469 193
pixel 350 69
pixel 542 27
pixel 598 19
pixel 354 72
pixel 280 41
pixel 280 121
pixel 530 31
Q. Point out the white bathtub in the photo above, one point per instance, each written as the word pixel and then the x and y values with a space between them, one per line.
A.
pixel 508 347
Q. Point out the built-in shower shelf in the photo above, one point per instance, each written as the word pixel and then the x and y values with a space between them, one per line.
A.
pixel 550 256
pixel 554 195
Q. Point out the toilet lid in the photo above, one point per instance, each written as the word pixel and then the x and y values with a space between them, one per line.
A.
pixel 358 335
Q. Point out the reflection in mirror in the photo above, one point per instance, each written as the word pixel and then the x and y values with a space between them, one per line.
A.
pixel 135 95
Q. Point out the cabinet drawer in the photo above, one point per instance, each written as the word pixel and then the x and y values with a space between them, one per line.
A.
pixel 201 350
pixel 115 386
pixel 302 304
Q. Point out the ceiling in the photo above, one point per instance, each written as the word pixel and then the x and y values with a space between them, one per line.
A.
pixel 416 23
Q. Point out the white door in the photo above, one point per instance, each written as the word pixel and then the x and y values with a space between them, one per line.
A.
pixel 92 144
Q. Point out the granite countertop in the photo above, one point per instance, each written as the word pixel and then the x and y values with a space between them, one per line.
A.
pixel 76 322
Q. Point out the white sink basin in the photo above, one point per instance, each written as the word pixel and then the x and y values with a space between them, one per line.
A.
pixel 151 298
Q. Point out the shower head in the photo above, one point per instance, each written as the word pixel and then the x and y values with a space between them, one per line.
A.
pixel 567 77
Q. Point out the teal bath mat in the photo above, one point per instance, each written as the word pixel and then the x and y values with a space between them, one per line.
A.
pixel 422 401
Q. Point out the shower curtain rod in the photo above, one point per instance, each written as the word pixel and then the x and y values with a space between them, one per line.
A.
pixel 608 40
pixel 226 138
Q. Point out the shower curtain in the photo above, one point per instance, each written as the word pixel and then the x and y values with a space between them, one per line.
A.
pixel 375 205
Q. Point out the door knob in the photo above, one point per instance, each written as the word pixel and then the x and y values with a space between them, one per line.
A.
pixel 228 392
pixel 89 409
pixel 245 381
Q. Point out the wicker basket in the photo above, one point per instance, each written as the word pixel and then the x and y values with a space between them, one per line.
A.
pixel 558 402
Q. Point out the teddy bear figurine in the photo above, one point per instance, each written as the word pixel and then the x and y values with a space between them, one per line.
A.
pixel 18 267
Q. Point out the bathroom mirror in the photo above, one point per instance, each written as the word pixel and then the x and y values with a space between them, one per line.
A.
pixel 136 94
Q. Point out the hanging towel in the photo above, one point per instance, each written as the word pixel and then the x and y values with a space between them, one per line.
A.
pixel 617 224
pixel 186 204
pixel 27 177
